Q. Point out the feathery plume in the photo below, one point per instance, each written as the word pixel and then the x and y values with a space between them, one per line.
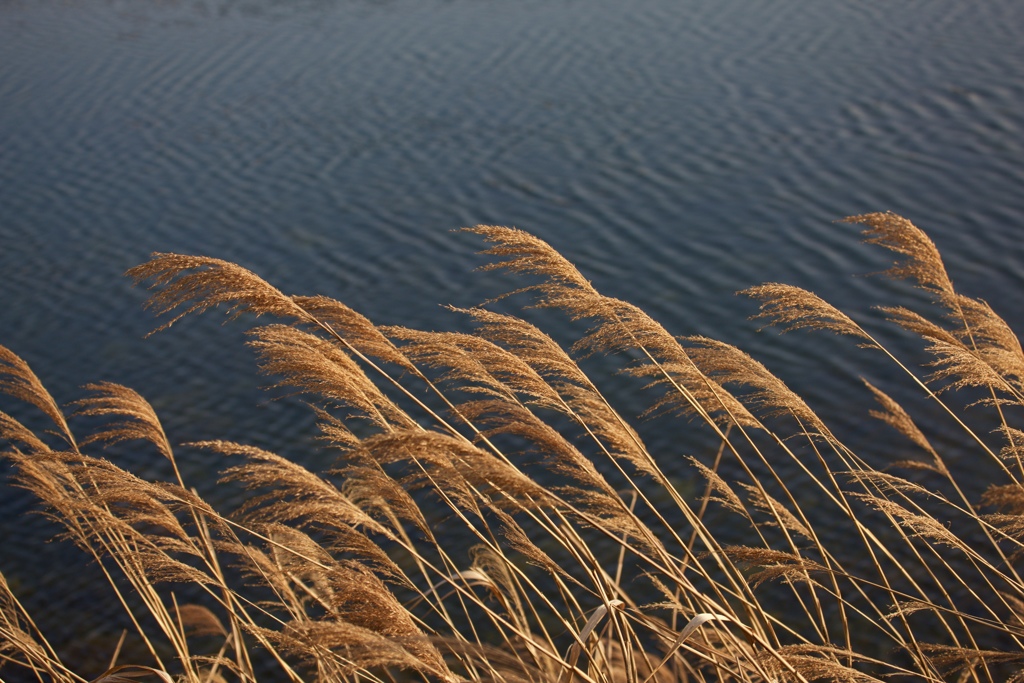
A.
pixel 559 454
pixel 727 365
pixel 895 416
pixel 138 419
pixel 920 525
pixel 574 394
pixel 922 261
pixel 476 365
pixel 1014 444
pixel 528 343
pixel 983 351
pixel 993 341
pixel 380 496
pixel 955 659
pixel 530 255
pixel 774 564
pixel 722 492
pixel 18 381
pixel 918 324
pixel 200 621
pixel 319 366
pixel 778 512
pixel 816 663
pixel 354 328
pixel 290 492
pixel 792 308
pixel 16 433
pixel 194 284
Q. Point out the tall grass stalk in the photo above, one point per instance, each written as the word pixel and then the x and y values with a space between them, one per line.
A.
pixel 485 512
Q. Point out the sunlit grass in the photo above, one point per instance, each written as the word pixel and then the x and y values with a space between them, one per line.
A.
pixel 485 512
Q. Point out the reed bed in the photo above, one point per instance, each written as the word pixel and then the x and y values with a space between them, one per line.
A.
pixel 484 512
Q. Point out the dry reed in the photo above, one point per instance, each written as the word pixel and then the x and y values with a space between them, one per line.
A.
pixel 495 517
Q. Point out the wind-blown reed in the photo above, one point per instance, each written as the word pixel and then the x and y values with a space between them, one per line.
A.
pixel 491 515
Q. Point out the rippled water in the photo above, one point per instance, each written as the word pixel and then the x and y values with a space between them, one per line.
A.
pixel 675 151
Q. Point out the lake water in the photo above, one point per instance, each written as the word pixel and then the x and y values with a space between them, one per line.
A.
pixel 675 150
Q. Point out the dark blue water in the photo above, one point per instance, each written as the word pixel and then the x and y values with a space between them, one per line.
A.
pixel 675 151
